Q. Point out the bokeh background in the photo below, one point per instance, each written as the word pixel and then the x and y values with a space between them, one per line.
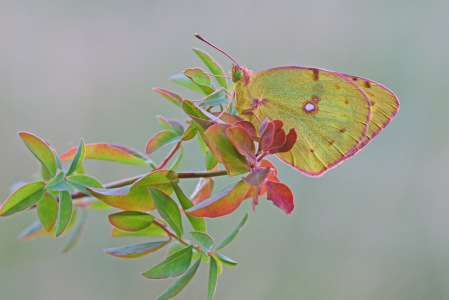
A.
pixel 376 227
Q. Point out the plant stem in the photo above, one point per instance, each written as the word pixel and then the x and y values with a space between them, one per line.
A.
pixel 173 235
pixel 169 156
pixel 131 180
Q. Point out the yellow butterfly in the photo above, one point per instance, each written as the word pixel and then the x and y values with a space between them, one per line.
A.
pixel 334 114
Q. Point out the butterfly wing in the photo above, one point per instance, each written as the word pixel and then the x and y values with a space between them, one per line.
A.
pixel 384 105
pixel 329 112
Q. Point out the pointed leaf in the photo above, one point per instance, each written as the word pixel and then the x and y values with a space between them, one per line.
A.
pixel 40 150
pixel 57 183
pixel 22 198
pixel 174 265
pixel 198 224
pixel 64 212
pixel 222 203
pixel 233 234
pixel 109 152
pixel 211 162
pixel 168 210
pixel 179 285
pixel 183 80
pixel 189 133
pixel 130 220
pixel 213 276
pixel 136 196
pixel 136 250
pixel 150 231
pixel 200 78
pixel 80 182
pixel 226 260
pixel 202 191
pixel 77 232
pixel 213 66
pixel 170 124
pixel 78 158
pixel 281 195
pixel 161 140
pixel 47 210
pixel 170 96
pixel 204 241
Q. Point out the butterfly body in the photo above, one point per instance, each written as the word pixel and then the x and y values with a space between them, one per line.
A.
pixel 334 114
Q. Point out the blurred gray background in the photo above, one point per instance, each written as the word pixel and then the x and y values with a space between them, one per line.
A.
pixel 376 227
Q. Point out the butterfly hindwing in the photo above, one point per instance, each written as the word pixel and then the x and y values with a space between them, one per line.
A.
pixel 329 112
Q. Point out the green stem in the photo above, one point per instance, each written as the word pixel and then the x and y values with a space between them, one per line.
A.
pixel 173 235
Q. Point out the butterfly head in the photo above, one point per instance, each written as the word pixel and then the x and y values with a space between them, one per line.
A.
pixel 238 73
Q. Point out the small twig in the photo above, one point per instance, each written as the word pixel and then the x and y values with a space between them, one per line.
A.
pixel 173 235
pixel 169 156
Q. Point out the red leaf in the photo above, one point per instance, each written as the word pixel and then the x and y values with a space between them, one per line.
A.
pixel 202 191
pixel 257 176
pixel 281 195
pixel 224 151
pixel 266 136
pixel 243 142
pixel 221 204
pixel 249 127
pixel 289 143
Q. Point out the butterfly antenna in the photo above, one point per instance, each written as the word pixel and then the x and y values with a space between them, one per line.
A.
pixel 215 47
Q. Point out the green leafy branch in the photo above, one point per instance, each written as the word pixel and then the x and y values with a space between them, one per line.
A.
pixel 146 208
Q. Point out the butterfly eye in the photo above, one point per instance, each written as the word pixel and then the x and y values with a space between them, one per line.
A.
pixel 237 75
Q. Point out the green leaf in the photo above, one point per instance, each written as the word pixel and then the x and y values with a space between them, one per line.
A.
pixel 199 77
pixel 170 96
pixel 168 210
pixel 77 232
pixel 183 80
pixel 198 224
pixel 233 234
pixel 161 140
pixel 81 181
pixel 57 183
pixel 64 212
pixel 109 152
pixel 47 210
pixel 173 266
pixel 213 276
pixel 22 198
pixel 203 145
pixel 136 196
pixel 136 250
pixel 189 133
pixel 204 241
pixel 213 66
pixel 78 158
pixel 226 260
pixel 223 203
pixel 150 231
pixel 211 162
pixel 170 124
pixel 31 232
pixel 130 220
pixel 179 285
pixel 216 99
pixel 40 150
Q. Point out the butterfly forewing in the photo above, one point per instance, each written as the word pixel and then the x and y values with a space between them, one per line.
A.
pixel 329 112
pixel 384 105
